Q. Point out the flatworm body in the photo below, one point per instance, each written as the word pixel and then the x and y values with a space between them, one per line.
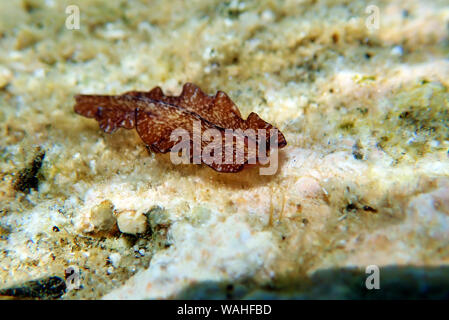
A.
pixel 231 142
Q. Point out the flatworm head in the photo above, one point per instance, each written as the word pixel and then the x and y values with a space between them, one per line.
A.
pixel 211 127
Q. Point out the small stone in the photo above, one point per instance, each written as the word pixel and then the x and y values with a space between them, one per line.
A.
pixel 157 216
pixel 102 216
pixel 45 288
pixel 132 222
pixel 308 187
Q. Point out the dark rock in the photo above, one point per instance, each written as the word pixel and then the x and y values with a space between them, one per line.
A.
pixel 46 288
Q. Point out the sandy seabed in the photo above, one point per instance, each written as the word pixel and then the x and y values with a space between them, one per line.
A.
pixel 364 179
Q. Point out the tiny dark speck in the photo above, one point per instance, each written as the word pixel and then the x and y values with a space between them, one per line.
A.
pixel 357 151
pixel 351 207
pixel 368 208
pixel 357 155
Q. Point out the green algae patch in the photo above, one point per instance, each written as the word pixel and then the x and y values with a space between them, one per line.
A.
pixel 418 122
pixel 415 122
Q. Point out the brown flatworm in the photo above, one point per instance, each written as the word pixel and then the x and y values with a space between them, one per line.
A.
pixel 207 129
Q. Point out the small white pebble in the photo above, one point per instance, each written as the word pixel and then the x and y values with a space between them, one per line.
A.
pixel 112 33
pixel 50 3
pixel 132 222
pixel 92 166
pixel 101 216
pixel 115 259
pixel 267 16
pixel 142 252
pixel 434 143
pixel 39 73
pixel 228 22
pixel 397 51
